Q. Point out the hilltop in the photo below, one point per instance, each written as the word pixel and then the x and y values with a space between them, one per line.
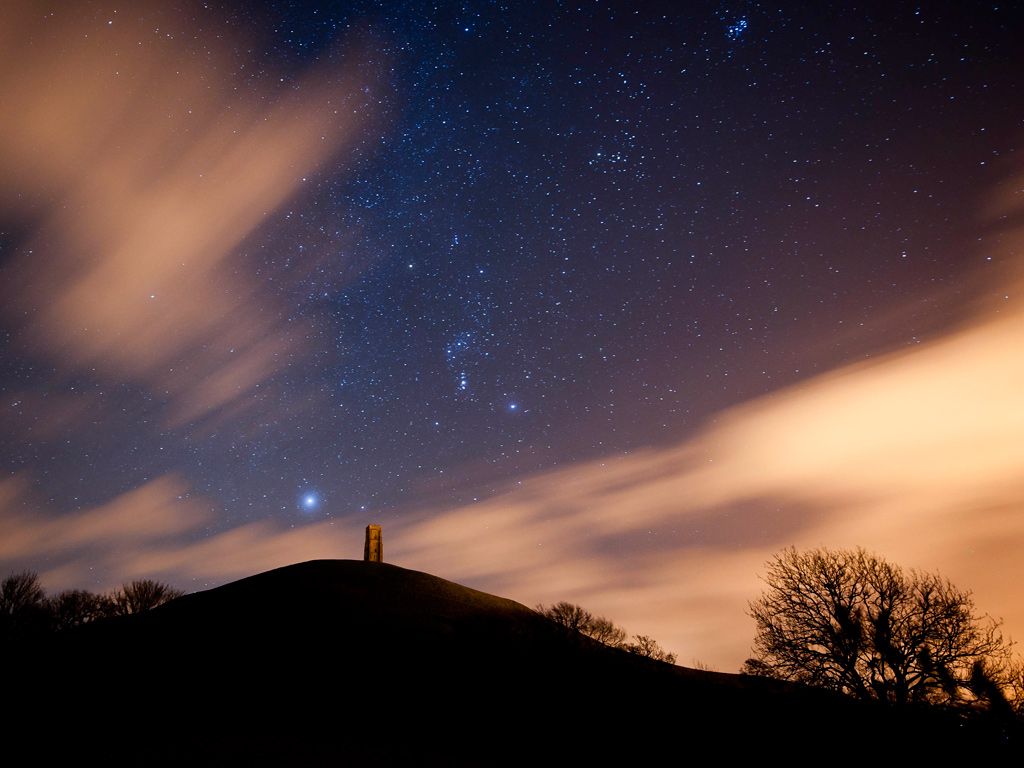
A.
pixel 339 660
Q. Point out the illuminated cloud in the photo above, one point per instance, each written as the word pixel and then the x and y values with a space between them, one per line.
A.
pixel 915 455
pixel 89 548
pixel 146 168
pixel 148 171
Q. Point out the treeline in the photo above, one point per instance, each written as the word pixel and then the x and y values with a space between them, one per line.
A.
pixel 579 619
pixel 26 610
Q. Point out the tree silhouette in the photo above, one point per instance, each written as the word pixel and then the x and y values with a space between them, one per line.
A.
pixel 604 631
pixel 1015 687
pixel 26 611
pixel 74 607
pixel 579 619
pixel 569 615
pixel 643 645
pixel 22 606
pixel 143 595
pixel 21 592
pixel 849 621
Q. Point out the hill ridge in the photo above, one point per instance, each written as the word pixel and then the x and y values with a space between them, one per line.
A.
pixel 330 660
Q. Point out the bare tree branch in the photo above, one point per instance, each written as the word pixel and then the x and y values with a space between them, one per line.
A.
pixel 849 621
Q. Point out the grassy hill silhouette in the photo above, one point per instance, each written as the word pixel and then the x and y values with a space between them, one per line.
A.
pixel 339 661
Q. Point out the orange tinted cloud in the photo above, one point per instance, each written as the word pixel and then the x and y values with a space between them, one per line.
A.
pixel 147 166
pixel 915 455
pixel 161 529
pixel 79 549
pixel 135 273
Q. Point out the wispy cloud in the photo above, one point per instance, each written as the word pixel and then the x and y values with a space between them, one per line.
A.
pixel 915 455
pixel 146 170
pixel 145 165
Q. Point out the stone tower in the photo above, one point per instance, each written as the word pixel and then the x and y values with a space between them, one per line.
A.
pixel 373 549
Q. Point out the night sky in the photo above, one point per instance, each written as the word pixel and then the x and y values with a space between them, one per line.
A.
pixel 505 278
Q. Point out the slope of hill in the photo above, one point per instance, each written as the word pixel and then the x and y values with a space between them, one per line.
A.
pixel 338 661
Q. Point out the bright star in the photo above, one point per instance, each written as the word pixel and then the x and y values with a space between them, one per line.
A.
pixel 309 501
pixel 735 30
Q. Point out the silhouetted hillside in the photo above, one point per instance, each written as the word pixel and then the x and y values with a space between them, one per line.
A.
pixel 337 661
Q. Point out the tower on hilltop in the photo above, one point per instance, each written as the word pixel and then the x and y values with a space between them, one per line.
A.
pixel 373 549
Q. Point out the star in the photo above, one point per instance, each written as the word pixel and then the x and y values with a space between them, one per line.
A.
pixel 735 30
pixel 630 240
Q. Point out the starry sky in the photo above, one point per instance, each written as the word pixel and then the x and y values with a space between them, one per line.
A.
pixel 594 301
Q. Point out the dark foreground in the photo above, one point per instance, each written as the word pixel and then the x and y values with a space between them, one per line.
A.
pixel 339 662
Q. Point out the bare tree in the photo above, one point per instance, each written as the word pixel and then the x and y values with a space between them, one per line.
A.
pixel 22 605
pixel 569 615
pixel 756 668
pixel 579 619
pixel 74 607
pixel 20 592
pixel 644 645
pixel 143 595
pixel 1014 688
pixel 604 631
pixel 849 621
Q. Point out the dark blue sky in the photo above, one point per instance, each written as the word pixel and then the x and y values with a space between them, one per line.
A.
pixel 572 230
